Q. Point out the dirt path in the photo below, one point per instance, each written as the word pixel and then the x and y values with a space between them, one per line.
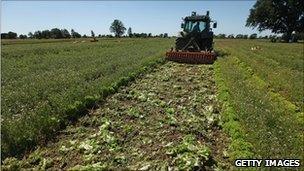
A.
pixel 166 119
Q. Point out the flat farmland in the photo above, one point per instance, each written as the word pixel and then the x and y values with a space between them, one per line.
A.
pixel 248 104
pixel 261 84
pixel 43 82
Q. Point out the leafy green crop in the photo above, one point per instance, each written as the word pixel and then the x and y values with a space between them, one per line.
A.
pixel 262 94
pixel 46 85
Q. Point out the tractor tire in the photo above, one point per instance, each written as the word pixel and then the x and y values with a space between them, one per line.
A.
pixel 180 43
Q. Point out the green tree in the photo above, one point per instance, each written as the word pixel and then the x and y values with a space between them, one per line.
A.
pixel 253 36
pixel 117 27
pixel 239 36
pixel 12 35
pixel 4 36
pixel 280 16
pixel 222 36
pixel 37 34
pixel 230 36
pixel 30 35
pixel 130 34
pixel 56 33
pixel 74 34
pixel 92 34
pixel 65 34
pixel 46 34
pixel 21 36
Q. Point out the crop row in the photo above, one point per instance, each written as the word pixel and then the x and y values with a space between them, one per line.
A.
pixel 270 123
pixel 45 86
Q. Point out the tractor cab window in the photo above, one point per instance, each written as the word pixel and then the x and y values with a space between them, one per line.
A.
pixel 196 26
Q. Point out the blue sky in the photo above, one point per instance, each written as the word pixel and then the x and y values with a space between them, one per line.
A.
pixel 142 16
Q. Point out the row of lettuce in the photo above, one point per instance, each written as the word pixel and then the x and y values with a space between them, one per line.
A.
pixel 50 125
pixel 39 99
pixel 260 122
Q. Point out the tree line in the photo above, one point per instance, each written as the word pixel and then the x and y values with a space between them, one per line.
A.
pixel 54 33
pixel 117 27
pixel 294 37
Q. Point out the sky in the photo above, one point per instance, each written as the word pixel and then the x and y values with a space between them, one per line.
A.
pixel 153 17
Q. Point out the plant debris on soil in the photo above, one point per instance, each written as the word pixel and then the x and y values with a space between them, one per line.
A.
pixel 165 120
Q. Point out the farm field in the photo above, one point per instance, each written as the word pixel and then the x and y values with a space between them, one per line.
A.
pixel 47 84
pixel 262 90
pixel 167 118
pixel 170 116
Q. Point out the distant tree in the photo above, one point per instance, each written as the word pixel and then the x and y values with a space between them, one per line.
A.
pixel 22 36
pixel 109 36
pixel 253 36
pixel 129 32
pixel 74 34
pixel 92 34
pixel 230 36
pixel 165 35
pixel 99 35
pixel 143 35
pixel 135 35
pixel 239 36
pixel 161 35
pixel 56 33
pixel 37 34
pixel 4 36
pixel 12 35
pixel 84 36
pixel 30 35
pixel 150 35
pixel 46 34
pixel 280 16
pixel 117 27
pixel 65 34
pixel 222 36
pixel 245 36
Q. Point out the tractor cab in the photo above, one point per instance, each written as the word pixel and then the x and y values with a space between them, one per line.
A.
pixel 197 23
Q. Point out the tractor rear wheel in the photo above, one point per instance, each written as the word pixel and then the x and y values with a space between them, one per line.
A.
pixel 180 43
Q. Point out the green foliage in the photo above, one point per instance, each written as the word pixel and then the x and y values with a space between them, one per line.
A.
pixel 130 33
pixel 9 35
pixel 280 16
pixel 118 28
pixel 74 34
pixel 253 36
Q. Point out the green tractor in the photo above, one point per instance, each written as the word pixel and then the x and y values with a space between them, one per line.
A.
pixel 195 42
